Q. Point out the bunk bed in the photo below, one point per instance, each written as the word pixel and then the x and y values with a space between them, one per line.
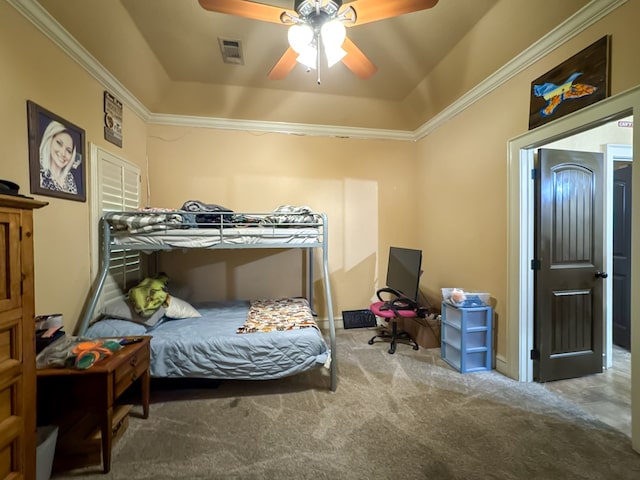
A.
pixel 218 343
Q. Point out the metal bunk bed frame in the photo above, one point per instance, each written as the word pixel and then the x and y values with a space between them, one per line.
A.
pixel 322 243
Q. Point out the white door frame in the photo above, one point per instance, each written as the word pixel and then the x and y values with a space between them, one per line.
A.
pixel 520 192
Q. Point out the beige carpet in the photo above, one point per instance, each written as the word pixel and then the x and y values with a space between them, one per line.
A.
pixel 401 416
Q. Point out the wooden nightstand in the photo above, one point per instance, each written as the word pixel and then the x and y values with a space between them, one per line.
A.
pixel 71 398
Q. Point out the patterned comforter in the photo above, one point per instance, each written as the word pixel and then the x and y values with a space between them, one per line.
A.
pixel 281 314
pixel 147 221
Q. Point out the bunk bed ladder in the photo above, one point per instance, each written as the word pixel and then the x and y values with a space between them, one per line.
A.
pixel 104 271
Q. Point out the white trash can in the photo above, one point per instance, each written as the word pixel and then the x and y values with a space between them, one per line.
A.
pixel 47 437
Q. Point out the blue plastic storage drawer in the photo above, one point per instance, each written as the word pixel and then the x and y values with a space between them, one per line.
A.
pixel 466 337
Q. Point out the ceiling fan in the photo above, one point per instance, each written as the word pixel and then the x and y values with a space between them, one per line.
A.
pixel 319 25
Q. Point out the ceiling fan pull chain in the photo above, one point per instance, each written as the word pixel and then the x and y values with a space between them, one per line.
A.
pixel 319 47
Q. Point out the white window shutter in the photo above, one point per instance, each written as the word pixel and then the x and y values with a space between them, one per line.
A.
pixel 116 188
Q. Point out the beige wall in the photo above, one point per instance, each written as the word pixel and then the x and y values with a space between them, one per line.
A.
pixel 32 68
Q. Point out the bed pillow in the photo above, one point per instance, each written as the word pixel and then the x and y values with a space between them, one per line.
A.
pixel 178 308
pixel 116 327
pixel 121 308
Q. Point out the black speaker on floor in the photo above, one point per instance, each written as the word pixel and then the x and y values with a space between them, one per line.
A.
pixel 358 318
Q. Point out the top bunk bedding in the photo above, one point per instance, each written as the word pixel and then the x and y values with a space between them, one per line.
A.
pixel 205 226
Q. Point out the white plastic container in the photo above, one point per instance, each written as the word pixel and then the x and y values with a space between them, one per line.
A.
pixel 47 437
pixel 461 298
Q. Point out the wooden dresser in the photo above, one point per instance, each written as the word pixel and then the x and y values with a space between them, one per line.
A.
pixel 17 339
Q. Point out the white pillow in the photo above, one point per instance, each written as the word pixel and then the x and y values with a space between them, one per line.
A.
pixel 178 308
pixel 121 308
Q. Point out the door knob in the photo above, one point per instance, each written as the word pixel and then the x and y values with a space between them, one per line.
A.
pixel 602 274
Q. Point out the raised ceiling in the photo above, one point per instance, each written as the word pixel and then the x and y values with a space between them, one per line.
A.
pixel 166 53
pixel 184 38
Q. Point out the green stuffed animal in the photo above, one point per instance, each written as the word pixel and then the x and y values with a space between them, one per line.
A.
pixel 149 295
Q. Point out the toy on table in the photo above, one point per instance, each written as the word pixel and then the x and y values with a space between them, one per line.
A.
pixel 89 352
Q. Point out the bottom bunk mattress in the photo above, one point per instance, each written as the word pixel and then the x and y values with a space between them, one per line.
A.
pixel 211 347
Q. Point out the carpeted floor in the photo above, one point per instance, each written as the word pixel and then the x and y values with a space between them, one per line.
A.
pixel 401 416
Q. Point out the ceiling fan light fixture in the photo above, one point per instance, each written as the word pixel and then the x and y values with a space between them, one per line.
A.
pixel 331 7
pixel 304 8
pixel 349 14
pixel 333 34
pixel 334 55
pixel 308 57
pixel 300 37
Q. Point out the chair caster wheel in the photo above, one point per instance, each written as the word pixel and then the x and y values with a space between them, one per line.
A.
pixel 392 350
pixel 415 347
pixel 370 342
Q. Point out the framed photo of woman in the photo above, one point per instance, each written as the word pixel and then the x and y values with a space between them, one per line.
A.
pixel 56 155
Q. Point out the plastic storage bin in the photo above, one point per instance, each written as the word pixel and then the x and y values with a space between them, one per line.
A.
pixel 47 437
pixel 466 337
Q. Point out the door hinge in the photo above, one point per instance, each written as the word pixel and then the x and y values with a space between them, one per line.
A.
pixel 535 264
pixel 535 354
pixel 534 173
pixel 20 233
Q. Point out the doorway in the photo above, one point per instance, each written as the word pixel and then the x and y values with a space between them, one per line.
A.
pixel 520 234
pixel 606 396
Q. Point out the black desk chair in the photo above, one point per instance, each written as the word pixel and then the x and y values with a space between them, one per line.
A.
pixel 398 306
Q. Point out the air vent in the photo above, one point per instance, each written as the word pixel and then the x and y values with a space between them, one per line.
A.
pixel 231 51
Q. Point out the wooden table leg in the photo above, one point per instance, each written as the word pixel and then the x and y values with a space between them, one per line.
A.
pixel 145 382
pixel 107 437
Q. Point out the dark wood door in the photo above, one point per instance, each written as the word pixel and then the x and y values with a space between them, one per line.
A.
pixel 622 257
pixel 568 280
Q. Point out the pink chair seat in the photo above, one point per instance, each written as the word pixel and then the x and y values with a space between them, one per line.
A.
pixel 389 313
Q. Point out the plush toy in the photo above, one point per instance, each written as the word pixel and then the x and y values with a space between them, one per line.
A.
pixel 457 296
pixel 89 352
pixel 149 295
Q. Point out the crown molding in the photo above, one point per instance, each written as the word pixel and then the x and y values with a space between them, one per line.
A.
pixel 302 129
pixel 585 17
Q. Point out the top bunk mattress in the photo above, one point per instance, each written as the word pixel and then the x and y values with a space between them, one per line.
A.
pixel 160 229
pixel 207 238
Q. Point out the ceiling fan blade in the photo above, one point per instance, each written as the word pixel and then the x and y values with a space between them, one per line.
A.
pixel 373 10
pixel 284 66
pixel 246 9
pixel 356 61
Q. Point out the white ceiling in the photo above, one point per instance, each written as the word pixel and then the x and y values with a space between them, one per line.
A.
pixel 184 38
